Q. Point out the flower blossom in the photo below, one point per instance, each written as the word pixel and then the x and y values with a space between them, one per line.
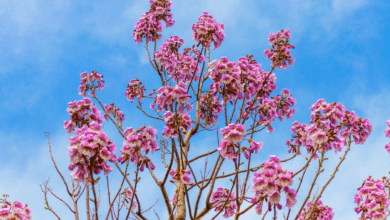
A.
pixel 129 196
pixel 135 141
pixel 91 78
pixel 135 89
pixel 166 96
pixel 182 67
pixel 254 147
pixel 210 108
pixel 320 212
pixel 81 113
pixel 232 134
pixel 90 148
pixel 118 115
pixel 207 31
pixel 173 121
pixel 280 52
pixel 16 210
pixel 269 182
pixel 329 130
pixel 181 176
pixel 150 24
pixel 268 109
pixel 372 200
pixel 218 199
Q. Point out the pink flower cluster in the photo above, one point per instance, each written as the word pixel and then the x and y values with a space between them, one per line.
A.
pixel 210 108
pixel 181 176
pixel 128 195
pixel 150 24
pixel 181 66
pixel 15 211
pixel 250 73
pixel 81 113
pixel 173 121
pixel 90 149
pixel 226 80
pixel 238 80
pixel 92 78
pixel 135 141
pixel 280 52
pixel 207 31
pixel 321 212
pixel 218 199
pixel 167 95
pixel 135 89
pixel 324 132
pixel 111 109
pixel 373 198
pixel 270 181
pixel 268 109
pixel 232 134
pixel 254 147
pixel 387 131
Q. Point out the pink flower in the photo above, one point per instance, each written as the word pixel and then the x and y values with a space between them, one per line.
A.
pixel 93 78
pixel 142 139
pixel 116 113
pixel 182 67
pixel 90 147
pixel 81 113
pixel 270 181
pixel 218 199
pixel 135 89
pixel 321 212
pixel 151 21
pixel 207 31
pixel 323 133
pixel 280 53
pixel 182 176
pixel 372 199
pixel 17 210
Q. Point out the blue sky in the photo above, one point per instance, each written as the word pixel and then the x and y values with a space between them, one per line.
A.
pixel 341 55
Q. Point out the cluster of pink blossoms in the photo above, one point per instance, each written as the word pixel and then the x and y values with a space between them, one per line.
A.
pixel 91 78
pixel 181 66
pixel 254 147
pixel 182 178
pixel 15 211
pixel 280 52
pixel 135 89
pixel 176 120
pixel 321 212
pixel 210 108
pixel 268 109
pixel 207 31
pixel 240 80
pixel 150 24
pixel 118 115
pixel 269 182
pixel 226 80
pixel 373 198
pixel 81 113
pixel 167 95
pixel 89 149
pixel 232 134
pixel 128 196
pixel 387 131
pixel 135 141
pixel 326 128
pixel 218 199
